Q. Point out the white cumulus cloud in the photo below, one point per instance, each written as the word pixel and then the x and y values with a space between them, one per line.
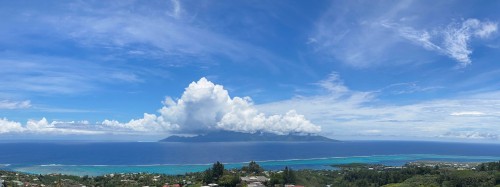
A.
pixel 149 123
pixel 7 126
pixel 205 106
pixel 43 126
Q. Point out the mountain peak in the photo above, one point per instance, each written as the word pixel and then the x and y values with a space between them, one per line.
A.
pixel 231 136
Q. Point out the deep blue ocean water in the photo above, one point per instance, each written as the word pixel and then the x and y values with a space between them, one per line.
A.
pixel 94 158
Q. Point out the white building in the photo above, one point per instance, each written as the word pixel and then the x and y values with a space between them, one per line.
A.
pixel 251 179
pixel 255 184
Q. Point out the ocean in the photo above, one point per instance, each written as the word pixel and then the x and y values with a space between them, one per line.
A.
pixel 98 158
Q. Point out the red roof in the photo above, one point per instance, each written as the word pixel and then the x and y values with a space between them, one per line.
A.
pixel 173 185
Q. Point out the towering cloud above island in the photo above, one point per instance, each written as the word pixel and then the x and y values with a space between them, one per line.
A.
pixel 205 106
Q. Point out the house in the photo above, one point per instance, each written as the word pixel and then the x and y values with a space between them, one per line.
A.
pixel 18 183
pixel 211 185
pixel 251 179
pixel 172 185
pixel 255 184
pixel 254 181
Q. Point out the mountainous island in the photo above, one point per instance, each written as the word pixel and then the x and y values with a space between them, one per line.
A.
pixel 230 136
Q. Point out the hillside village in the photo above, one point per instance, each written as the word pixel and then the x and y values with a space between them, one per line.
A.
pixel 251 176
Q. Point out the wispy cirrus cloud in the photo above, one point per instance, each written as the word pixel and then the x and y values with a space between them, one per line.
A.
pixel 452 40
pixel 82 46
pixel 333 84
pixel 168 31
pixel 9 104
pixel 22 74
pixel 471 135
pixel 360 36
pixel 468 113
pixel 352 38
pixel 407 88
pixel 348 113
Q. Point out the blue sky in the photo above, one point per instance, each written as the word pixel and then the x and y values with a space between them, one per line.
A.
pixel 142 70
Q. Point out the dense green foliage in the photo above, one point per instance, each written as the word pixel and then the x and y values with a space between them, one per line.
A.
pixel 287 176
pixel 253 168
pixel 490 166
pixel 229 180
pixel 217 174
pixel 408 176
pixel 214 173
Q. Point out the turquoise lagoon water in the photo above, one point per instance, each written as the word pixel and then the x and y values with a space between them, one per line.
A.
pixel 173 169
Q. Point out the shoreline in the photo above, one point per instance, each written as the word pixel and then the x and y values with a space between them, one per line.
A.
pixel 423 173
pixel 176 169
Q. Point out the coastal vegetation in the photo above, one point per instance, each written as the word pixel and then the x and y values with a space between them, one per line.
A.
pixel 363 175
